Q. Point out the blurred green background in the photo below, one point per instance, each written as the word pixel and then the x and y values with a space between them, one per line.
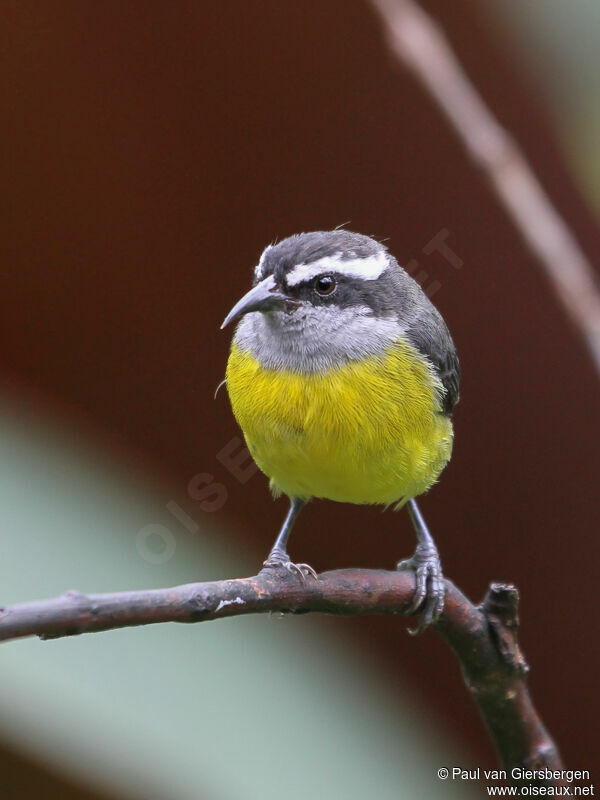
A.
pixel 557 42
pixel 263 706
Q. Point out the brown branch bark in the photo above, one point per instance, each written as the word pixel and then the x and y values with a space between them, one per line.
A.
pixel 483 638
pixel 419 44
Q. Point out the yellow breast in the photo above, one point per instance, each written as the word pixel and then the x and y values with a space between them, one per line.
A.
pixel 366 432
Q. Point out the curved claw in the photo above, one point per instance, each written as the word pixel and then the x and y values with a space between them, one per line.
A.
pixel 429 586
pixel 307 570
pixel 302 571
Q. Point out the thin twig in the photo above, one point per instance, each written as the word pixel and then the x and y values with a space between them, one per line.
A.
pixel 420 45
pixel 483 638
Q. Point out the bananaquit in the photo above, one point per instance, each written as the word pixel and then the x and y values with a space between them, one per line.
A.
pixel 343 376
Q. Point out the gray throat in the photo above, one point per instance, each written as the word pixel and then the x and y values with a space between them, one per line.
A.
pixel 316 339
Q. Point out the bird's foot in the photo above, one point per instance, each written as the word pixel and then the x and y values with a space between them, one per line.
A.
pixel 429 585
pixel 279 559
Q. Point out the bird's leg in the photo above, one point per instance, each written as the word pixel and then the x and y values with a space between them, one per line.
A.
pixel 426 565
pixel 278 556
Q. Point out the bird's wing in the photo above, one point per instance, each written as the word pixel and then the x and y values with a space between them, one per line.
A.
pixel 429 334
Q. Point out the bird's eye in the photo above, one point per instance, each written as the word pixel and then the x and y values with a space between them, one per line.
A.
pixel 324 285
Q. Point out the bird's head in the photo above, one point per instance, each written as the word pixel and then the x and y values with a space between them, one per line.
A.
pixel 320 299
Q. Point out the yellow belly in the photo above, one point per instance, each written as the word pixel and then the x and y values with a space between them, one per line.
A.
pixel 366 432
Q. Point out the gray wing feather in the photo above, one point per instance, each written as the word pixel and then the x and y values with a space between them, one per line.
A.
pixel 429 334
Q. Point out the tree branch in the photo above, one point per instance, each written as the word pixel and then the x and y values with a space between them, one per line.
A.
pixel 420 45
pixel 483 638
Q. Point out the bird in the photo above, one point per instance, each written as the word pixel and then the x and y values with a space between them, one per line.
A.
pixel 343 376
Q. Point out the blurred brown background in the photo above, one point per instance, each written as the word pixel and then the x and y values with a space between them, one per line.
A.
pixel 151 150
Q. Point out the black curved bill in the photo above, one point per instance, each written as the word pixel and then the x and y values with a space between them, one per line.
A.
pixel 263 297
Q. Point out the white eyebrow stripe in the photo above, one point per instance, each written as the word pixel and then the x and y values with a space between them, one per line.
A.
pixel 368 269
pixel 258 269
